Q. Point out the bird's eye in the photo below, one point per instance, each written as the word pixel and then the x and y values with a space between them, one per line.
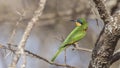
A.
pixel 80 21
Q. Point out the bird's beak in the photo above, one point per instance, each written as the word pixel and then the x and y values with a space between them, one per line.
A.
pixel 78 24
pixel 73 20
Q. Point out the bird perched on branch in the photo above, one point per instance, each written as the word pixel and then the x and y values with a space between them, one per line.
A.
pixel 77 34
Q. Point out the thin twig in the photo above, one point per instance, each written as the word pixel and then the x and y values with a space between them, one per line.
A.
pixel 26 34
pixel 65 57
pixel 30 54
pixel 15 28
pixel 76 47
pixel 52 63
pixel 94 9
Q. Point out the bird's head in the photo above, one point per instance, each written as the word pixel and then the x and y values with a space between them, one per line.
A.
pixel 80 22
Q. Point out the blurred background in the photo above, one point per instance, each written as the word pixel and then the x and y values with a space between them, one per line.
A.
pixel 53 26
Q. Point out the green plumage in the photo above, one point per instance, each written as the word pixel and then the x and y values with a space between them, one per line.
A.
pixel 77 34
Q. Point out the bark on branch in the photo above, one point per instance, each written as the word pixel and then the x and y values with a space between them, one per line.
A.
pixel 115 58
pixel 106 43
pixel 104 14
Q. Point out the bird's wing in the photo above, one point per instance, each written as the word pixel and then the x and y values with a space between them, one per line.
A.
pixel 77 34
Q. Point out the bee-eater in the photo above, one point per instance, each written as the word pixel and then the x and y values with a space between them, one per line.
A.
pixel 77 34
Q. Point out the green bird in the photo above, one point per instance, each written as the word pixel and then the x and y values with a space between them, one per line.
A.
pixel 77 34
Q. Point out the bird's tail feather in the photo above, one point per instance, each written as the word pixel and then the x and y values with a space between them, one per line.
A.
pixel 57 53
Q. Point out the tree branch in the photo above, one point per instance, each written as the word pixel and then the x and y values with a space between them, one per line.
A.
pixel 10 40
pixel 30 54
pixel 26 34
pixel 39 57
pixel 115 58
pixel 76 47
pixel 104 14
pixel 106 43
pixel 116 7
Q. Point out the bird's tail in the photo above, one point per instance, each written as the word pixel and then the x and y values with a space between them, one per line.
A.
pixel 57 53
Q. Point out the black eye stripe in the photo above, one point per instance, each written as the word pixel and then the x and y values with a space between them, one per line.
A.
pixel 79 21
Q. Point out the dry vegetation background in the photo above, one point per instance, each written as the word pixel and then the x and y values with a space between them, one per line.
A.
pixel 53 26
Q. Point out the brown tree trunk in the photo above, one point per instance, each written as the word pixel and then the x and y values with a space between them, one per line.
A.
pixel 107 41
